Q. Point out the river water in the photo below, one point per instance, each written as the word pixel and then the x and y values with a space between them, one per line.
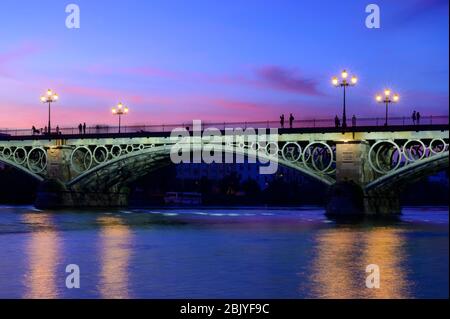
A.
pixel 221 253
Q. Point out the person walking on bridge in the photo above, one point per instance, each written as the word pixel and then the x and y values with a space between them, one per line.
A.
pixel 418 118
pixel 282 120
pixel 80 128
pixel 84 128
pixel 414 116
pixel 291 120
pixel 354 120
pixel 337 123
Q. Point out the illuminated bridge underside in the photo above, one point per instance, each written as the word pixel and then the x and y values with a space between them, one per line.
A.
pixel 22 169
pixel 130 167
pixel 399 178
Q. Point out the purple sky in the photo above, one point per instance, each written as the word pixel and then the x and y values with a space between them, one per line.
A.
pixel 174 61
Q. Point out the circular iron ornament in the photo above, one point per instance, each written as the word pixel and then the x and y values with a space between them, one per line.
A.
pixel 129 148
pixel 115 151
pixel 7 152
pixel 442 142
pixel 20 155
pixel 272 146
pixel 377 159
pixel 377 168
pixel 86 160
pixel 37 160
pixel 254 146
pixel 291 152
pixel 307 155
pixel 407 150
pixel 100 154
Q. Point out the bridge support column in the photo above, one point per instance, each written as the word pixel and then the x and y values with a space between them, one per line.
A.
pixel 382 204
pixel 347 197
pixel 53 193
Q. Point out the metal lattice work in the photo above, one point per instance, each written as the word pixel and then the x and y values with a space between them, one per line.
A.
pixel 317 159
pixel 32 160
pixel 387 156
pixel 83 158
pixel 316 156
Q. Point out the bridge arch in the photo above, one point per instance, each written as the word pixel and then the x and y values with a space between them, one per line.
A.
pixel 410 173
pixel 129 167
pixel 22 169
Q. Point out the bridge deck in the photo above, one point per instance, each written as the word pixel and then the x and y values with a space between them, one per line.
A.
pixel 305 130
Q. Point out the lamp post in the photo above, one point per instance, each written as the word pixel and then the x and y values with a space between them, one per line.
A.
pixel 344 83
pixel 120 110
pixel 49 98
pixel 387 100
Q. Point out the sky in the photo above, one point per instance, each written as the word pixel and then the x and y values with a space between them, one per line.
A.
pixel 221 61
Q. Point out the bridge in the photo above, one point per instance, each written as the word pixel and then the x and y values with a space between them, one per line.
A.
pixel 364 166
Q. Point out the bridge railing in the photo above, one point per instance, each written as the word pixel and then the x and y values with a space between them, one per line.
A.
pixel 306 123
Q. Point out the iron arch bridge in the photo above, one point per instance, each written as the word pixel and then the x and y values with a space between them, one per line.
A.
pixel 106 165
pixel 378 160
pixel 396 162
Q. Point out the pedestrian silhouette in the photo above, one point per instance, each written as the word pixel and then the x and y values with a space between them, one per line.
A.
pixel 291 120
pixel 353 120
pixel 33 130
pixel 418 118
pixel 84 128
pixel 46 130
pixel 80 128
pixel 336 121
pixel 414 116
pixel 282 120
pixel 57 129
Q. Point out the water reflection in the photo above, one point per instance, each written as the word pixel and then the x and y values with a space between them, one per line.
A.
pixel 342 255
pixel 385 247
pixel 42 251
pixel 115 253
pixel 332 268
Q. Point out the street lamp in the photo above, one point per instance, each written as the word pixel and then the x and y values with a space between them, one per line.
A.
pixel 49 98
pixel 120 110
pixel 344 83
pixel 387 100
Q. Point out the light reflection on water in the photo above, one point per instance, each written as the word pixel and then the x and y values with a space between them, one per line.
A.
pixel 220 254
pixel 340 254
pixel 42 252
pixel 114 246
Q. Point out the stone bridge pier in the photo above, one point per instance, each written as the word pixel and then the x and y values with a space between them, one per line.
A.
pixel 54 191
pixel 348 196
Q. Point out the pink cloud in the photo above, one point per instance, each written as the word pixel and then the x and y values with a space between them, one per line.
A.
pixel 284 79
pixel 22 51
pixel 112 95
pixel 147 71
pixel 271 77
